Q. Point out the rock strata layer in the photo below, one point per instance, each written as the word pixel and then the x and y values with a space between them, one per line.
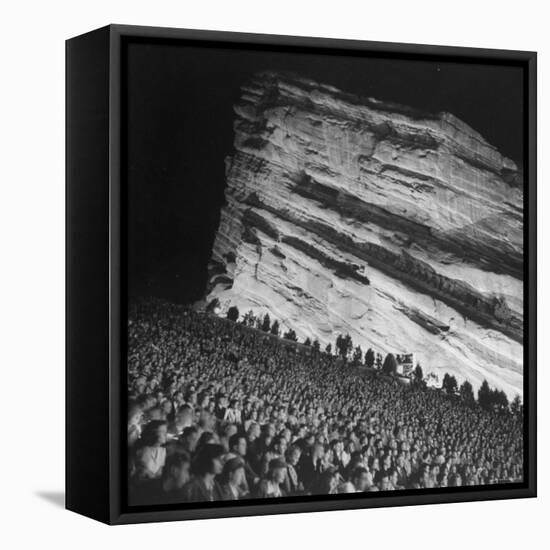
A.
pixel 350 215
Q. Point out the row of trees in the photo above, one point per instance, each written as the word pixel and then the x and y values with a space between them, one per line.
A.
pixel 487 398
pixel 265 324
pixel 344 347
pixel 491 398
pixel 344 344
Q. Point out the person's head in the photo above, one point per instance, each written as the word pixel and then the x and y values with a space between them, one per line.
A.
pixel 269 430
pixel 154 433
pixel 177 468
pixel 302 431
pixel 279 445
pixel 253 431
pixel 293 454
pixel 189 438
pixel 287 433
pixel 372 463
pixel 456 480
pixel 135 414
pixel 159 394
pixel 233 471
pixel 146 401
pixel 349 445
pixel 230 430
pixel 277 470
pixel 346 487
pixel 425 473
pixel 237 444
pixel 223 402
pixel 166 407
pixel 155 414
pixel 184 416
pixel 384 482
pixel 205 439
pixel 265 441
pixel 360 479
pixel 209 460
pixel 337 446
pixel 328 482
pixel 140 385
pixel 309 440
pixel 207 420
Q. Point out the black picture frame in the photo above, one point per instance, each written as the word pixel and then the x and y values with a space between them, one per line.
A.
pixel 96 271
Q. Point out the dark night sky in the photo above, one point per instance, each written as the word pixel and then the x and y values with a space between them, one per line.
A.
pixel 180 117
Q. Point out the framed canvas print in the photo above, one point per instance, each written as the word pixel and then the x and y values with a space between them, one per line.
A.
pixel 300 274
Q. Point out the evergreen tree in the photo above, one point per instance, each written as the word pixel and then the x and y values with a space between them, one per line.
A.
pixel 249 319
pixel 339 342
pixel 390 364
pixel 504 403
pixel 418 375
pixel 233 313
pixel 344 345
pixel 515 406
pixel 369 358
pixel 275 328
pixel 357 356
pixel 450 384
pixel 290 335
pixel 266 324
pixel 307 341
pixel 453 386
pixel 467 393
pixel 316 345
pixel 498 400
pixel 328 349
pixel 484 395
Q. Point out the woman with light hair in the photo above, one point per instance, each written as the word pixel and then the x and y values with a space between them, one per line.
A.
pixel 271 485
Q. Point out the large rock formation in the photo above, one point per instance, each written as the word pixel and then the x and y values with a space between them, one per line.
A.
pixel 350 215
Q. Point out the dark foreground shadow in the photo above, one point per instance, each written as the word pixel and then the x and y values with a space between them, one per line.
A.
pixel 57 498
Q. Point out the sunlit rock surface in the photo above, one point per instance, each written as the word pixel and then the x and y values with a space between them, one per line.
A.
pixel 350 215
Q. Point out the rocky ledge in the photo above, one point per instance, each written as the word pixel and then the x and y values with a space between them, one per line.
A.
pixel 350 215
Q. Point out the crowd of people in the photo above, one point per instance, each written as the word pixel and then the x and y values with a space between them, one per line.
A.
pixel 220 411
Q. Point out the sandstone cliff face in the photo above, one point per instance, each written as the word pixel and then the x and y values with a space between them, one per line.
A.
pixel 350 215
